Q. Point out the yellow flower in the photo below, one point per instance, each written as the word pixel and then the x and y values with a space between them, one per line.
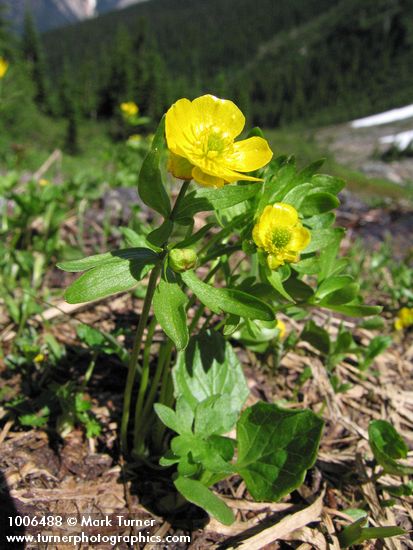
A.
pixel 4 65
pixel 43 182
pixel 279 233
pixel 404 318
pixel 39 358
pixel 129 108
pixel 282 329
pixel 200 135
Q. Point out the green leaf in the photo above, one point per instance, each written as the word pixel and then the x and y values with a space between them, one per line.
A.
pixel 204 199
pixel 167 416
pixel 150 185
pixel 110 278
pixel 209 367
pixel 127 254
pixel 356 534
pixel 332 284
pixel 388 446
pixel 355 310
pixel 190 241
pixel 161 234
pixel 296 196
pixel 276 447
pixel 169 305
pixel 321 238
pixel 308 171
pixel 317 337
pixel 228 300
pixel 341 296
pixel 318 202
pixel 214 416
pixel 274 278
pixel 198 494
pixel 329 184
pixel 299 290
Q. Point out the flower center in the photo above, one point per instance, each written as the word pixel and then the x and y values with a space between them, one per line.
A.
pixel 280 237
pixel 215 145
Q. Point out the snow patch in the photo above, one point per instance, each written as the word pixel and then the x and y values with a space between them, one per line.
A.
pixel 384 118
pixel 402 140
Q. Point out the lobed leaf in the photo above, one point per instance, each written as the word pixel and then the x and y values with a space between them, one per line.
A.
pixel 276 447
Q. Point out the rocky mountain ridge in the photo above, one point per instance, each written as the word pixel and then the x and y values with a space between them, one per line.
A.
pixel 50 14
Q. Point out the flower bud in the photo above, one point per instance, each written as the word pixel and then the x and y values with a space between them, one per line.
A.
pixel 182 259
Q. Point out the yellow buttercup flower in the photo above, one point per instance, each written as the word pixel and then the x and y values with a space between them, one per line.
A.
pixel 280 233
pixel 4 65
pixel 129 108
pixel 282 329
pixel 200 135
pixel 404 318
pixel 43 182
pixel 39 358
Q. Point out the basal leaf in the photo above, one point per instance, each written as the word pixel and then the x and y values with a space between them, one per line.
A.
pixel 200 495
pixel 388 446
pixel 209 367
pixel 276 447
pixel 356 534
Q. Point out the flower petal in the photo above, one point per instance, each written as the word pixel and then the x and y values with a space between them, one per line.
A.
pixel 221 115
pixel 300 239
pixel 205 179
pixel 179 167
pixel 249 154
pixel 213 167
pixel 178 127
pixel 284 215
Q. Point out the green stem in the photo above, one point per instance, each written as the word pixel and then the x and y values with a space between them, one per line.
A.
pixel 179 198
pixel 90 369
pixel 144 424
pixel 135 355
pixel 145 376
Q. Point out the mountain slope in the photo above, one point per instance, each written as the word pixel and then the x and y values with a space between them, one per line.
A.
pixel 305 60
pixel 49 14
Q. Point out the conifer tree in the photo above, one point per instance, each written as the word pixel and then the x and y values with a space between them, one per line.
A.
pixel 34 56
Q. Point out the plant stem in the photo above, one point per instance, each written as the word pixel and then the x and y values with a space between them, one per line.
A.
pixel 179 198
pixel 144 377
pixel 144 425
pixel 135 355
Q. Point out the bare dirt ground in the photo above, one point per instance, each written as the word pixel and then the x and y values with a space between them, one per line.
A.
pixel 360 148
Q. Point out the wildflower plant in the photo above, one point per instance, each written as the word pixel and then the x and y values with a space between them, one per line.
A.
pixel 268 245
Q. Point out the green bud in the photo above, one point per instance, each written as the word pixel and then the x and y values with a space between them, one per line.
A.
pixel 182 259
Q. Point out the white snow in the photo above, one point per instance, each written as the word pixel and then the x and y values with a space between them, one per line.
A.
pixel 401 140
pixel 384 118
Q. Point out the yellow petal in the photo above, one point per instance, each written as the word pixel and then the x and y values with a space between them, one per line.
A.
pixel 221 115
pixel 300 239
pixel 179 167
pixel 274 261
pixel 284 215
pixel 249 154
pixel 178 127
pixel 205 179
